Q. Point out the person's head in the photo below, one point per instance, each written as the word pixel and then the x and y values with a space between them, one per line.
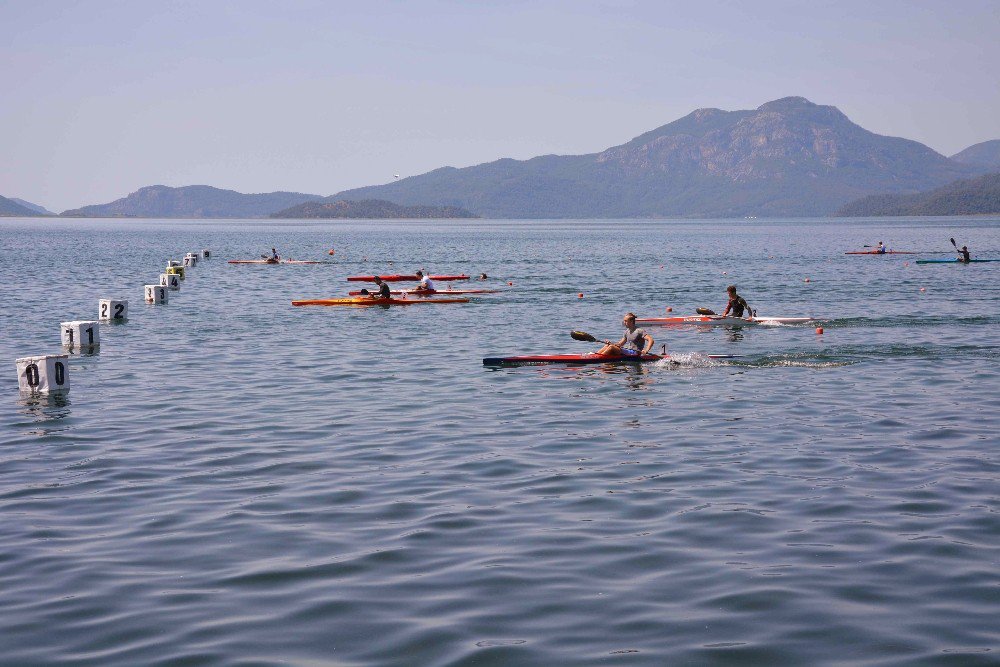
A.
pixel 732 290
pixel 965 247
pixel 378 281
pixel 482 276
pixel 420 274
pixel 629 320
pixel 274 250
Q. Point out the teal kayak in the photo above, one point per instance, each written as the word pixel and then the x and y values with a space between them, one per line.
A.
pixel 953 261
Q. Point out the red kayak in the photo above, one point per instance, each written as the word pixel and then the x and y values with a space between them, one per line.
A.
pixel 365 301
pixel 432 292
pixel 398 278
pixel 887 252
pixel 269 261
pixel 575 359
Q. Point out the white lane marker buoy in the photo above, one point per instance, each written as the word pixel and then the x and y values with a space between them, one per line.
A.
pixel 81 334
pixel 112 310
pixel 155 294
pixel 171 281
pixel 46 374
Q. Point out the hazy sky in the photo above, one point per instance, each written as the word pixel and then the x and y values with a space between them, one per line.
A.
pixel 100 98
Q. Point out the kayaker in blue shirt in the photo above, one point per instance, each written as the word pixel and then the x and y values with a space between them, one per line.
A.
pixel 880 250
pixel 634 343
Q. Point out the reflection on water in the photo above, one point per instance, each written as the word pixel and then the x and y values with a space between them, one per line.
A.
pixel 239 481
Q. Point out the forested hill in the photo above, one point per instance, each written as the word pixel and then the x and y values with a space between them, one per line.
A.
pixel 192 201
pixel 369 208
pixel 787 157
pixel 986 154
pixel 965 197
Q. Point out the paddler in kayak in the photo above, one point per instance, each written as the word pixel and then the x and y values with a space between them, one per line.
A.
pixel 274 258
pixel 964 255
pixel 737 304
pixel 426 284
pixel 382 293
pixel 880 250
pixel 634 343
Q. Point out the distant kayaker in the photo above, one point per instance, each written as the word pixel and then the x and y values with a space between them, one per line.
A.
pixel 482 276
pixel 880 250
pixel 737 304
pixel 964 252
pixel 274 258
pixel 634 343
pixel 426 284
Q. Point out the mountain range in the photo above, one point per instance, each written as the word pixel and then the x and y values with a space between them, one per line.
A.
pixel 788 157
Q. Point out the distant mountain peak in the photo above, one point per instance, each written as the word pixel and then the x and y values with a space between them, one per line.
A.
pixel 786 103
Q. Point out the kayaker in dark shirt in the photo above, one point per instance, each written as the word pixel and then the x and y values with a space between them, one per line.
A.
pixel 382 293
pixel 737 304
pixel 634 343
pixel 964 252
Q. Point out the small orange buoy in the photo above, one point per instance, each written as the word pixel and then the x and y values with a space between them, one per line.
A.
pixel 580 295
pixel 819 330
pixel 669 309
pixel 806 280
pixel 331 252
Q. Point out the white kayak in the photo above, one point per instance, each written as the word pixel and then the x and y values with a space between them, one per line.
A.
pixel 720 320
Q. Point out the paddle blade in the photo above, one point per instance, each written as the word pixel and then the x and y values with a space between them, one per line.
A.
pixel 953 243
pixel 704 311
pixel 582 335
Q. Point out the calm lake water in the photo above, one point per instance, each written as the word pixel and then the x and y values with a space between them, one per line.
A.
pixel 232 480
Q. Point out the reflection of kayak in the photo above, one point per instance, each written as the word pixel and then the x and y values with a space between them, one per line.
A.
pixel 397 278
pixel 437 291
pixel 365 301
pixel 719 319
pixel 280 261
pixel 953 261
pixel 887 252
pixel 575 359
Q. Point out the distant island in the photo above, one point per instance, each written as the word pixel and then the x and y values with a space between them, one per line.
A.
pixel 369 209
pixel 977 196
pixel 192 201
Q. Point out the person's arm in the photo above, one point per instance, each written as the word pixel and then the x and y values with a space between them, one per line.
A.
pixel 619 343
pixel 649 343
pixel 729 307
